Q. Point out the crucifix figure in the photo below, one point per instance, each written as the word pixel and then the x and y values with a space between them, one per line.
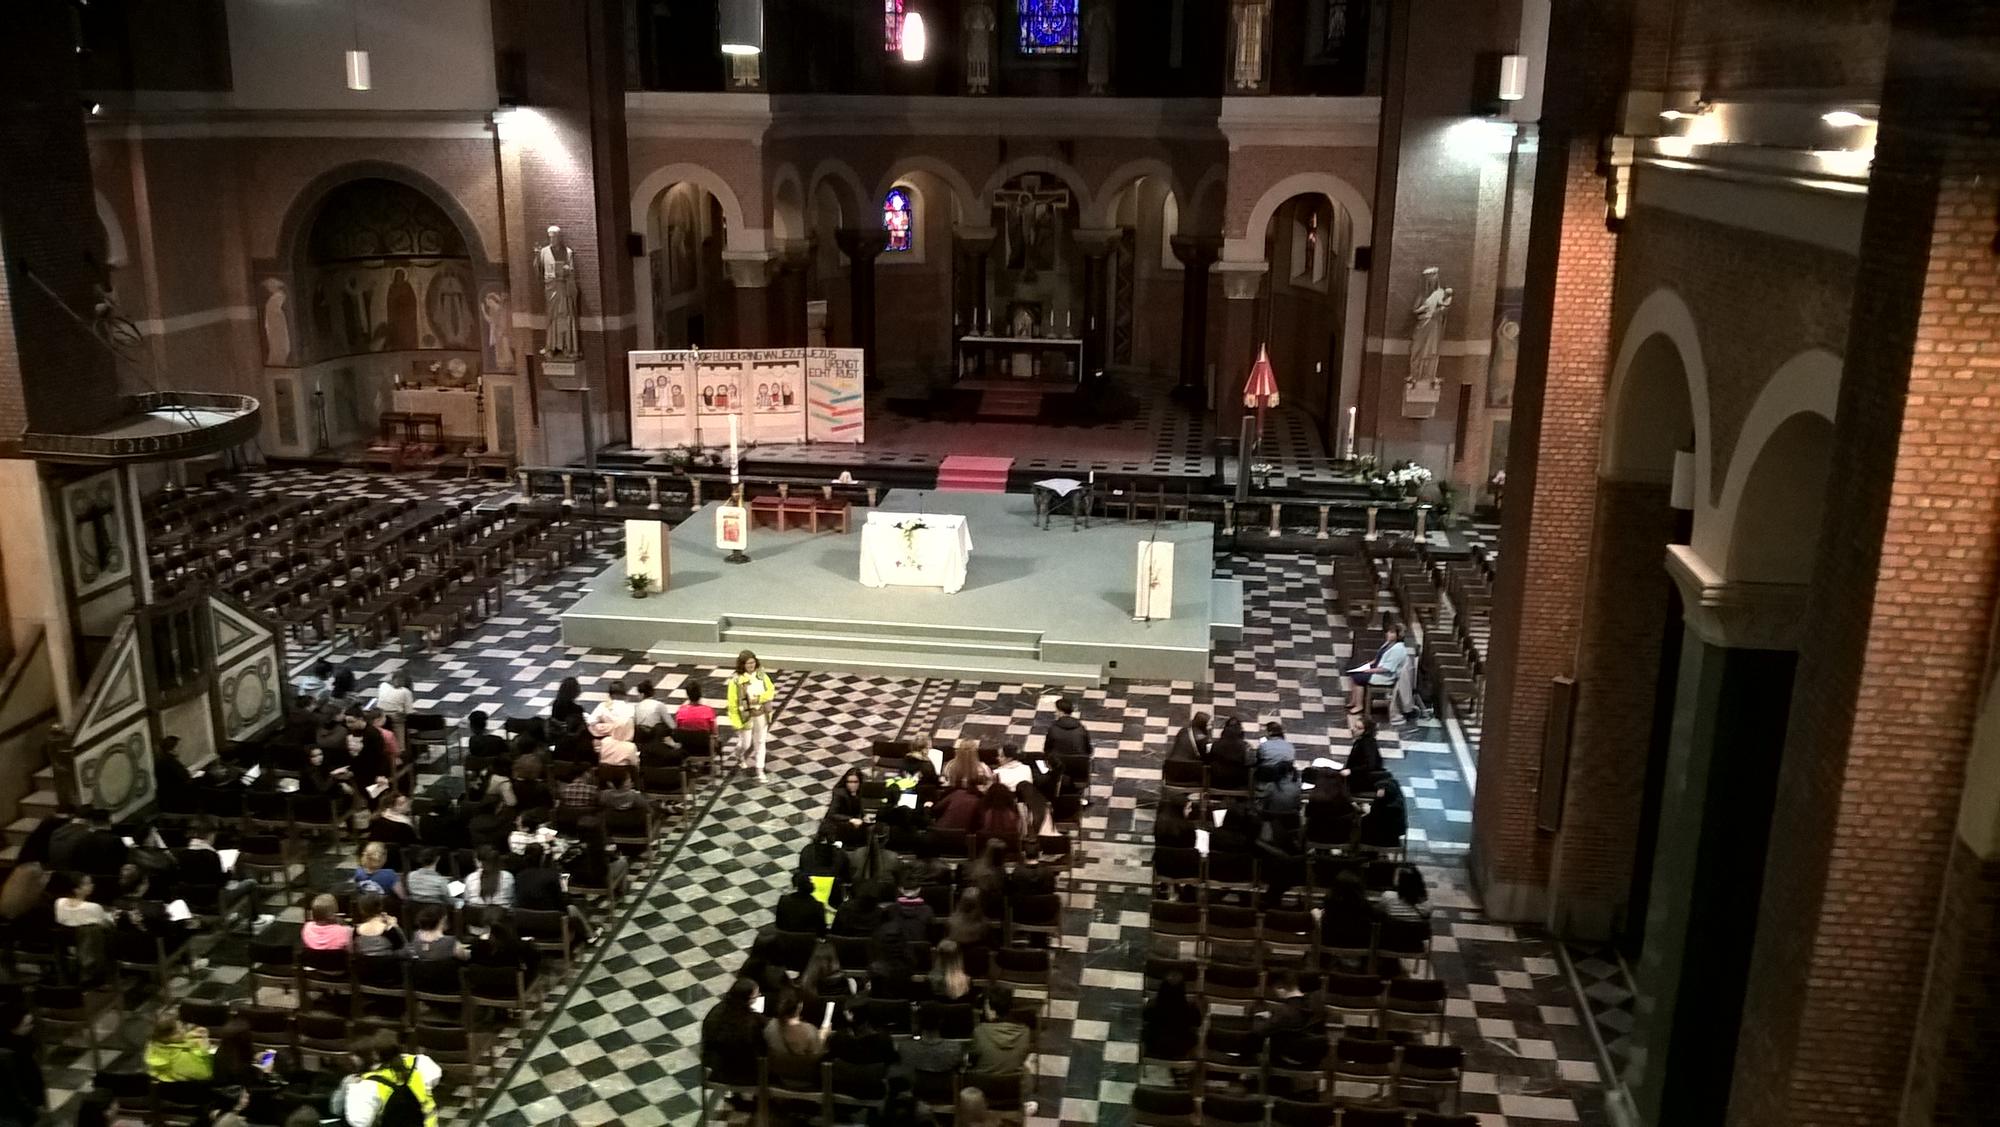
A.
pixel 1031 223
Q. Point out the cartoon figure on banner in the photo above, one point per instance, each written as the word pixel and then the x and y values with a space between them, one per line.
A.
pixel 649 394
pixel 708 395
pixel 791 396
pixel 680 399
pixel 763 397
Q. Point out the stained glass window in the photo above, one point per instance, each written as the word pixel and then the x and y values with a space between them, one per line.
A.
pixel 1048 27
pixel 896 219
pixel 892 26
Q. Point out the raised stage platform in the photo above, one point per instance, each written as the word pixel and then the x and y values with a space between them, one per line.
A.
pixel 1043 608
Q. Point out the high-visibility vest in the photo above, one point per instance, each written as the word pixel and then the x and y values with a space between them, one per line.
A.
pixel 411 1079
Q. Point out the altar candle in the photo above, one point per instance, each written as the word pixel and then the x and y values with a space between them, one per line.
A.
pixel 1093 477
pixel 1349 448
pixel 733 478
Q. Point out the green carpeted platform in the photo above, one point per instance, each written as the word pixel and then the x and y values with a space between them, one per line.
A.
pixel 1038 607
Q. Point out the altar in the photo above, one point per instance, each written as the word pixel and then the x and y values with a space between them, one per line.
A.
pixel 915 550
pixel 1049 360
pixel 458 409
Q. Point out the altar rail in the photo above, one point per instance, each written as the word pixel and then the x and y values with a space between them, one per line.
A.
pixel 613 491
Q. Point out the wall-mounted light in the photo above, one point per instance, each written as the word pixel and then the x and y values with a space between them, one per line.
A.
pixel 1845 119
pixel 913 37
pixel 742 27
pixel 1513 77
pixel 357 70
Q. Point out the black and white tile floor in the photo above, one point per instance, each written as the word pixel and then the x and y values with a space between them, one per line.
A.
pixel 620 1040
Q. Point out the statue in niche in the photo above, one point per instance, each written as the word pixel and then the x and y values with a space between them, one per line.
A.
pixel 277 328
pixel 403 326
pixel 1420 387
pixel 556 264
pixel 1249 67
pixel 978 49
pixel 1097 40
pixel 499 335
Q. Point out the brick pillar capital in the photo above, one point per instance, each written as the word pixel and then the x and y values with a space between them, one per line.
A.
pixel 1733 614
pixel 1242 281
pixel 750 269
pixel 861 244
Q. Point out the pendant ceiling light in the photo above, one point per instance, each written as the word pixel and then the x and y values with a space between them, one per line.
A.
pixel 742 27
pixel 357 59
pixel 913 37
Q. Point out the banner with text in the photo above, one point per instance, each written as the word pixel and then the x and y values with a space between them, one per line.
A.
pixel 687 396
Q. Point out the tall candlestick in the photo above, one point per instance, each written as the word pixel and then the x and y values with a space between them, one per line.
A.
pixel 734 478
pixel 1349 448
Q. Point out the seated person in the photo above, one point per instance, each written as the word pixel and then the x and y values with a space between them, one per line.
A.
pixel 956 809
pixel 178 1053
pixel 1387 819
pixel 140 915
pixel 498 943
pixel 864 910
pixel 481 744
pixel 423 884
pixel 792 1044
pixel 1240 831
pixel 1013 770
pixel 1383 670
pixel 1348 916
pixel 578 787
pixel 999 1043
pixel 1191 743
pixel 930 1050
pixel 325 931
pixel 595 864
pixel 432 940
pixel 917 762
pixel 861 1047
pixel 1364 765
pixel 799 910
pixel 373 872
pixel 1170 1024
pixel 694 716
pixel 617 710
pixel 650 715
pixel 847 810
pixel 1329 812
pixel 1292 1021
pixel 616 749
pixel 732 1036
pixel 76 908
pixel 376 932
pixel 490 884
pixel 965 768
pixel 1173 829
pixel 618 793
pixel 394 824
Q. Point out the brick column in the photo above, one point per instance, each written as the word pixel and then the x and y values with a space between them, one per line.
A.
pixel 750 282
pixel 1618 667
pixel 1196 253
pixel 789 293
pixel 1242 284
pixel 1096 245
pixel 1894 655
pixel 1545 529
pixel 861 246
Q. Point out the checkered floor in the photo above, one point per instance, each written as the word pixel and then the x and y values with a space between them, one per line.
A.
pixel 621 1034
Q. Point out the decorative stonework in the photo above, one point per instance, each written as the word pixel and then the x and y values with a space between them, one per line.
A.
pixel 1734 614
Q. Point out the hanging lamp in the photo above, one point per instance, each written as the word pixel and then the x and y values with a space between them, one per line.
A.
pixel 742 27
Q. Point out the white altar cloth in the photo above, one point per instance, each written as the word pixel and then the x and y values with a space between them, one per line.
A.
pixel 931 556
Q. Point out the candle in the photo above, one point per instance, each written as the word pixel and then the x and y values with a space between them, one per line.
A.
pixel 1093 477
pixel 733 478
pixel 1349 448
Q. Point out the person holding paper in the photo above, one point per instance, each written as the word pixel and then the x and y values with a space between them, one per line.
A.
pixel 1012 772
pixel 1191 743
pixel 750 700
pixel 178 1052
pixel 1381 671
pixel 848 813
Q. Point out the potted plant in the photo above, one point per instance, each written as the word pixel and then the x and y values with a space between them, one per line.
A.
pixel 640 583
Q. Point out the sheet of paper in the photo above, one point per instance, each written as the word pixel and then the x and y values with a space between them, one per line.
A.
pixel 456 888
pixel 1201 841
pixel 757 1004
pixel 254 773
pixel 1219 815
pixel 937 759
pixel 375 789
pixel 178 911
pixel 1323 761
pixel 227 859
pixel 908 800
pixel 129 843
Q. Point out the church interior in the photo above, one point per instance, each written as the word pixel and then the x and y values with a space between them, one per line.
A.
pixel 443 440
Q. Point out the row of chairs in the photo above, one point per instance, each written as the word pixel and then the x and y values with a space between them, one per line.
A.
pixel 845 1092
pixel 1240 1058
pixel 1301 879
pixel 1367 1000
pixel 1179 1107
pixel 1293 935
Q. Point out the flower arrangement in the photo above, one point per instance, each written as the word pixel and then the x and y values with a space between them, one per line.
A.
pixel 639 581
pixel 909 528
pixel 1407 477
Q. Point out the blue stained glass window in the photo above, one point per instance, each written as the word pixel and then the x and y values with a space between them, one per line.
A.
pixel 896 217
pixel 1048 27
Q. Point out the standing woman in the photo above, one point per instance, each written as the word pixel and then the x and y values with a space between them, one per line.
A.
pixel 750 694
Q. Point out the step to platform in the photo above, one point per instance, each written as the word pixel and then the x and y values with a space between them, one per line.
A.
pixel 1010 403
pixel 969 473
pixel 904 663
pixel 760 639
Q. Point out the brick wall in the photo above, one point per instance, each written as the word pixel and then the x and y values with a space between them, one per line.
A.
pixel 1617 666
pixel 1908 562
pixel 1725 48
pixel 1955 1067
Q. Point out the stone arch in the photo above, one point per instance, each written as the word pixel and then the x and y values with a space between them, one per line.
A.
pixel 1807 384
pixel 1248 245
pixel 1660 346
pixel 1774 529
pixel 305 206
pixel 1203 211
pixel 835 175
pixel 114 232
pixel 741 236
pixel 1123 177
pixel 964 205
pixel 788 204
pixel 1019 165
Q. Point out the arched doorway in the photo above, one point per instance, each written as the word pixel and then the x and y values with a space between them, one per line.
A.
pixel 1302 303
pixel 691 299
pixel 392 298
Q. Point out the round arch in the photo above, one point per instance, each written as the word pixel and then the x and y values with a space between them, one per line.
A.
pixel 1662 320
pixel 834 175
pixel 114 232
pixel 1019 165
pixel 1248 244
pixel 1774 529
pixel 788 204
pixel 740 235
pixel 305 205
pixel 1123 177
pixel 963 202
pixel 1807 384
pixel 1203 211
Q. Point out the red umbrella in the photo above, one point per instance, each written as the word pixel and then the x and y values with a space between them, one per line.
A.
pixel 1260 391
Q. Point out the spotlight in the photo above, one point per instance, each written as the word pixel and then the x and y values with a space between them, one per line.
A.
pixel 1845 119
pixel 1513 77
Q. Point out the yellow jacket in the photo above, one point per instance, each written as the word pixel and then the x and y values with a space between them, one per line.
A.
pixel 185 1059
pixel 764 691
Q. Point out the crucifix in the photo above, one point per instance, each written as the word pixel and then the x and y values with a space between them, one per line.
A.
pixel 97 550
pixel 1031 222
